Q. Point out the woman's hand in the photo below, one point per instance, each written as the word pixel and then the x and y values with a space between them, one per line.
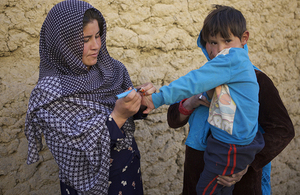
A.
pixel 192 103
pixel 126 107
pixel 195 101
pixel 231 180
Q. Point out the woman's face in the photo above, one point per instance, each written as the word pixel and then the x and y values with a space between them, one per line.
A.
pixel 92 43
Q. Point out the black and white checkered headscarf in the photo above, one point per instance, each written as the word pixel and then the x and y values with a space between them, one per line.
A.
pixel 70 104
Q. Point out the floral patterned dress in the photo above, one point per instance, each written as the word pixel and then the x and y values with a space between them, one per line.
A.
pixel 125 172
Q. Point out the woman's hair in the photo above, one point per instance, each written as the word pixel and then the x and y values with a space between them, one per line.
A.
pixel 223 20
pixel 91 15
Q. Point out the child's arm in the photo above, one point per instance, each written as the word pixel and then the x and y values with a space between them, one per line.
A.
pixel 224 68
pixel 214 73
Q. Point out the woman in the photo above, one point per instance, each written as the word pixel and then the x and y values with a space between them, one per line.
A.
pixel 88 131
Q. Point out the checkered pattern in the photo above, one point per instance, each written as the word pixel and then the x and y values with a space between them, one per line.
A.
pixel 70 104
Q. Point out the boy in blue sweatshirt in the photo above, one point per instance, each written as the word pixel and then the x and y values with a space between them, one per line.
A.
pixel 233 113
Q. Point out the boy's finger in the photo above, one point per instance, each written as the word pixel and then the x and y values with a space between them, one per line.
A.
pixel 150 91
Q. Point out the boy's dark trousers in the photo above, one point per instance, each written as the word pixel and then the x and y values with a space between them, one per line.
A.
pixel 225 159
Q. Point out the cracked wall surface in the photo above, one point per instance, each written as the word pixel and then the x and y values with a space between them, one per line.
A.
pixel 156 41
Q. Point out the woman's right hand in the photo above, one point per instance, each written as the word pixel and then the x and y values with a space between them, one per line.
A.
pixel 126 107
pixel 192 103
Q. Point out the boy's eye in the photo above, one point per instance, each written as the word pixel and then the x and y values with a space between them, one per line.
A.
pixel 228 41
pixel 213 43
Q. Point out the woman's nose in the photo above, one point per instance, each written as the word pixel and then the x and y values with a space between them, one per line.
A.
pixel 96 44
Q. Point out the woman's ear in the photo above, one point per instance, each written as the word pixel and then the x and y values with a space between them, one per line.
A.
pixel 245 37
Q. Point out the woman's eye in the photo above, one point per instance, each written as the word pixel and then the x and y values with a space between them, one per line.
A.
pixel 85 40
pixel 98 35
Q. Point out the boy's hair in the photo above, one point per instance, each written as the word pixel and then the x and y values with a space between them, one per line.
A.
pixel 223 20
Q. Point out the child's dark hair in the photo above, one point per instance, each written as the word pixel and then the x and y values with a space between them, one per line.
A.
pixel 91 15
pixel 223 20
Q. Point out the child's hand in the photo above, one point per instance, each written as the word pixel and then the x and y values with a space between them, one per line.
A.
pixel 147 101
pixel 146 90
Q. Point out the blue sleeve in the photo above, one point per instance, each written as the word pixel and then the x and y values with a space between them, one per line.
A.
pixel 214 73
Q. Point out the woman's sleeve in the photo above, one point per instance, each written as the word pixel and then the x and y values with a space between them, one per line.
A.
pixel 274 120
pixel 114 131
pixel 173 116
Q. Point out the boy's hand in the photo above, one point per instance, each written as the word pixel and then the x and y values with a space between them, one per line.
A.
pixel 147 101
pixel 146 90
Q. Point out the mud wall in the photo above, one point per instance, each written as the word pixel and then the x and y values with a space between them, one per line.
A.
pixel 156 40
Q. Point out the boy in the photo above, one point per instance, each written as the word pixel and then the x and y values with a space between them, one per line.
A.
pixel 233 112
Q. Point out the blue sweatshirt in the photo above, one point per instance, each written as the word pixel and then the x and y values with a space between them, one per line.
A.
pixel 234 71
pixel 199 127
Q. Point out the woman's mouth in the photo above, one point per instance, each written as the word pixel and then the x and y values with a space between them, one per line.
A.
pixel 94 55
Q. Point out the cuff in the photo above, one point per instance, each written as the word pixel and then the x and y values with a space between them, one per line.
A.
pixel 157 99
pixel 183 110
pixel 114 131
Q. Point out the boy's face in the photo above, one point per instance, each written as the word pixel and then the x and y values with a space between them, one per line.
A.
pixel 209 51
pixel 218 43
